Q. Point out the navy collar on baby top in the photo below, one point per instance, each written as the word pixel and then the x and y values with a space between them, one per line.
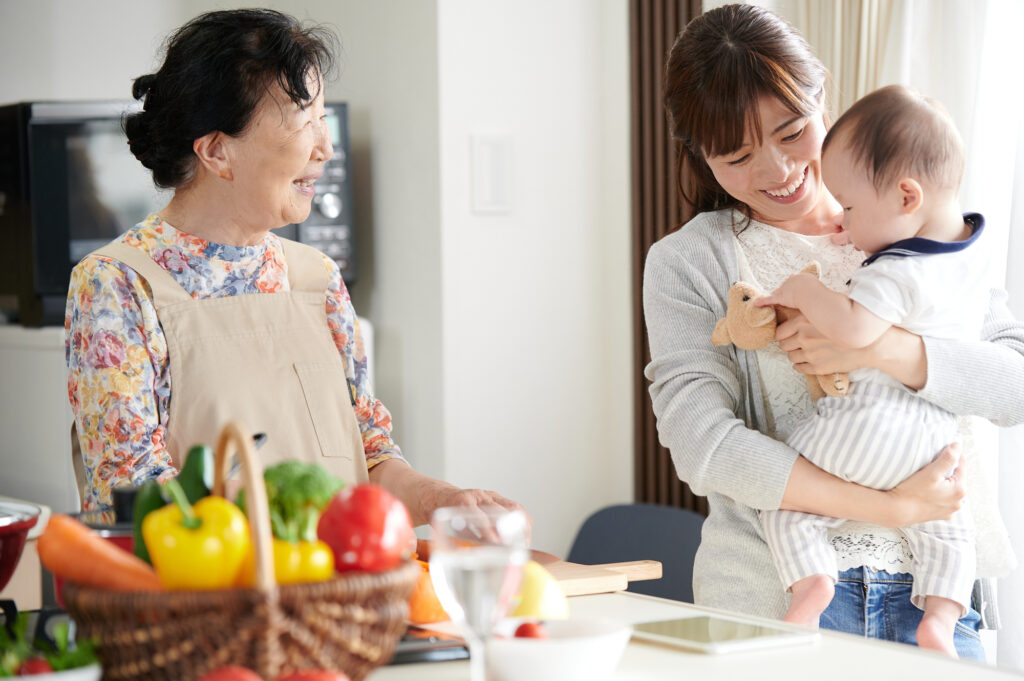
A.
pixel 919 246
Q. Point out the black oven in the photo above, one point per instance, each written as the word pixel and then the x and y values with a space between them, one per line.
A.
pixel 68 185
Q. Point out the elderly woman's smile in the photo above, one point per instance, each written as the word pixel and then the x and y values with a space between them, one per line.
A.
pixel 305 184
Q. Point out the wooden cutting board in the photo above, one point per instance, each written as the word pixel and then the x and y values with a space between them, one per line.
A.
pixel 578 580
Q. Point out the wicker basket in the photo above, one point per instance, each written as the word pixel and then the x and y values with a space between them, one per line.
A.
pixel 350 623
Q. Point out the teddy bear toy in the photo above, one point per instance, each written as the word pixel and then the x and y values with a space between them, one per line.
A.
pixel 750 327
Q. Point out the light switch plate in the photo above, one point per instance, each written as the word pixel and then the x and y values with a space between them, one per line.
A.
pixel 491 169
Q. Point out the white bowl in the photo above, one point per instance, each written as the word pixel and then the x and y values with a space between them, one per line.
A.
pixel 91 672
pixel 575 650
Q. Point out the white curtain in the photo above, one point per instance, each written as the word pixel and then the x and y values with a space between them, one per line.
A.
pixel 852 39
pixel 967 54
pixel 1011 443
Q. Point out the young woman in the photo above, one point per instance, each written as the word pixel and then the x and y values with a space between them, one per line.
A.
pixel 746 98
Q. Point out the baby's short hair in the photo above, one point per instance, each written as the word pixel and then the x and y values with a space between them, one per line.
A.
pixel 895 130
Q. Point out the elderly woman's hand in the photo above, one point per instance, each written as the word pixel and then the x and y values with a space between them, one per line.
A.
pixel 423 494
pixel 437 494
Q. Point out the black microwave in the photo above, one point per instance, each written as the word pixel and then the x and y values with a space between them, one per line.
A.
pixel 69 184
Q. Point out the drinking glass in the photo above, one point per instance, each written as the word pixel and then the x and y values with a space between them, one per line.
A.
pixel 476 562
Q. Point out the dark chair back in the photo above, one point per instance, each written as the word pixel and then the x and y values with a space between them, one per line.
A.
pixel 627 532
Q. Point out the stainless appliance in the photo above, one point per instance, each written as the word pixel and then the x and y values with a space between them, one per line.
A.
pixel 68 184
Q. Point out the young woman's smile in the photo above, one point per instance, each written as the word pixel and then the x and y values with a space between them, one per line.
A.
pixel 792 192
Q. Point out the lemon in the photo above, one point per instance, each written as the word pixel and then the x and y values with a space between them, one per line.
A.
pixel 539 595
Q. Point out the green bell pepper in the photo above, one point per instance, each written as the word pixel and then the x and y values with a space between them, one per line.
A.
pixel 196 479
pixel 148 499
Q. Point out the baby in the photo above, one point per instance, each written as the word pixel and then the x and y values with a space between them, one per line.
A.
pixel 894 162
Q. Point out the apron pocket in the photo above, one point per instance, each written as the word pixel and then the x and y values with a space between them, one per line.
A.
pixel 330 409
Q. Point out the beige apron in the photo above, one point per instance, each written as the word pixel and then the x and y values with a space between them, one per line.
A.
pixel 267 360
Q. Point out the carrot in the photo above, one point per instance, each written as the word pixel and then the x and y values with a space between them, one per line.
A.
pixel 72 551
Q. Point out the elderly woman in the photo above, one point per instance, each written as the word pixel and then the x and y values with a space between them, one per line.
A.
pixel 745 96
pixel 200 314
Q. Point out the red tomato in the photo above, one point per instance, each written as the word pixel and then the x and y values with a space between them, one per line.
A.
pixel 367 528
pixel 34 665
pixel 313 675
pixel 531 630
pixel 231 672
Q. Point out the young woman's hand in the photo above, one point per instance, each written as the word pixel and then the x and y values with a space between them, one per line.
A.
pixel 811 352
pixel 897 352
pixel 935 492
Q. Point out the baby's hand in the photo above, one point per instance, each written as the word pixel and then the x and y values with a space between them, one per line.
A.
pixel 771 299
pixel 840 238
pixel 788 295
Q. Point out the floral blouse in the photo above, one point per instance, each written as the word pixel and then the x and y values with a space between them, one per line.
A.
pixel 119 380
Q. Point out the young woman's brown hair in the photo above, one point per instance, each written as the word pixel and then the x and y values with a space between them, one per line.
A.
pixel 720 65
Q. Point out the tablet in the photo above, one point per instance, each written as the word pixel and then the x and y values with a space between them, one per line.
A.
pixel 722 634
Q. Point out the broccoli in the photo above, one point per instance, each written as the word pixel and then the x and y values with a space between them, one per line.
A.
pixel 297 492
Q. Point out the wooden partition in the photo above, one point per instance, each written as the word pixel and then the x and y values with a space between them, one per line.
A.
pixel 654 24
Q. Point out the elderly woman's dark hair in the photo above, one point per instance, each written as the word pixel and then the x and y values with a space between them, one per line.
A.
pixel 216 70
pixel 720 65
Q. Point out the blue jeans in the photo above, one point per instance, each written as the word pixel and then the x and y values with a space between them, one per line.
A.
pixel 877 604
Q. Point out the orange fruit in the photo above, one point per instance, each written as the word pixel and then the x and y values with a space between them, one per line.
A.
pixel 424 607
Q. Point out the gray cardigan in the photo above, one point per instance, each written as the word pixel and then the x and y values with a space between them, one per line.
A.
pixel 710 408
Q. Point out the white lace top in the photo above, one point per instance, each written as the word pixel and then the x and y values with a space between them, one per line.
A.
pixel 767 256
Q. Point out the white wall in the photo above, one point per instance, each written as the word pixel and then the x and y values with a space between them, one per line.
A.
pixel 537 301
pixel 502 343
pixel 63 49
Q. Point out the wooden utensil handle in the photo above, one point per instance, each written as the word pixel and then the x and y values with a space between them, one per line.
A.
pixel 636 570
pixel 234 438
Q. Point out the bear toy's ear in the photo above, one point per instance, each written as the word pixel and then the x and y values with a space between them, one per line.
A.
pixel 757 317
pixel 720 336
pixel 741 293
pixel 746 326
pixel 812 268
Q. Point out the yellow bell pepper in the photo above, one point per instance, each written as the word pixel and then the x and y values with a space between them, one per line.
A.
pixel 316 562
pixel 294 563
pixel 196 547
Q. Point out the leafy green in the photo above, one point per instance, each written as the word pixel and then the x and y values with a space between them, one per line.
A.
pixel 297 492
pixel 68 654
pixel 15 648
